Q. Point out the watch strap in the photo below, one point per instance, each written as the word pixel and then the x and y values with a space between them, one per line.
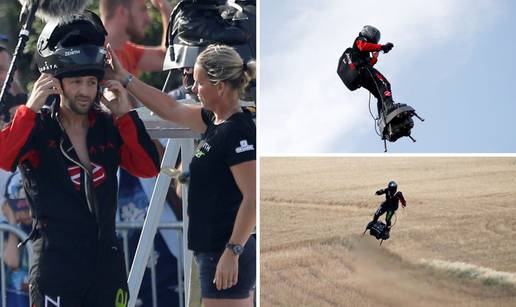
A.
pixel 127 80
pixel 237 249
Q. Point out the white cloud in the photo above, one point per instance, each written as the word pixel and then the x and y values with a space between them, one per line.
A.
pixel 304 106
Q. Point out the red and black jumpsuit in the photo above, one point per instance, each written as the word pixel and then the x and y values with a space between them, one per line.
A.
pixel 77 259
pixel 390 205
pixel 370 78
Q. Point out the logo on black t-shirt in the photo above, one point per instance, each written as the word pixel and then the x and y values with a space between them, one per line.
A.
pixel 244 147
pixel 199 151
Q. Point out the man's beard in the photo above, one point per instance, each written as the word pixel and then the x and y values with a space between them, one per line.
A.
pixel 134 33
pixel 72 104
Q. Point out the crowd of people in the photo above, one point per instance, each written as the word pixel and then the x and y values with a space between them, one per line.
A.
pixel 15 209
pixel 75 159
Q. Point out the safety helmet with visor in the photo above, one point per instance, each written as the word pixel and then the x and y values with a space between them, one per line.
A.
pixel 371 33
pixel 73 47
pixel 392 186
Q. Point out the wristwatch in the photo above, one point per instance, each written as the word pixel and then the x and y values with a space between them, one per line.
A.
pixel 127 80
pixel 237 249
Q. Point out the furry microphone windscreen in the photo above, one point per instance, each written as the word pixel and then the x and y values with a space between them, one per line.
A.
pixel 57 9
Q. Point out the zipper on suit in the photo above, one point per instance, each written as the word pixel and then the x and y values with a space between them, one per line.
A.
pixel 93 208
pixel 87 184
pixel 87 174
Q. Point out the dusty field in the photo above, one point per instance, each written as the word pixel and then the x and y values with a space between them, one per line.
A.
pixel 454 244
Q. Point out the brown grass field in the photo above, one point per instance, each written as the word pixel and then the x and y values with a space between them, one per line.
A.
pixel 454 244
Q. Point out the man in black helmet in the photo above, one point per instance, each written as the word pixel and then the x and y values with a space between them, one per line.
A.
pixel 390 205
pixel 69 155
pixel 365 44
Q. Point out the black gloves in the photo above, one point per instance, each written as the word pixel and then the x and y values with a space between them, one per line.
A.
pixel 387 47
pixel 379 192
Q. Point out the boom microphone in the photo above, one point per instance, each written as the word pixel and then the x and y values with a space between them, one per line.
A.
pixel 56 9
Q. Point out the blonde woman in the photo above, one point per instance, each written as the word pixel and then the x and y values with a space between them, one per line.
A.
pixel 222 191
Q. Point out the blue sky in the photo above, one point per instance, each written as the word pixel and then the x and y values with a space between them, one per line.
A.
pixel 453 61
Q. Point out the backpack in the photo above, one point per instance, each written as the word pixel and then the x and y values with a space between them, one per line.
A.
pixel 347 70
pixel 194 25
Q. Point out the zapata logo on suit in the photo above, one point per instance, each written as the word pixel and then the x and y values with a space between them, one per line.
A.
pixel 98 175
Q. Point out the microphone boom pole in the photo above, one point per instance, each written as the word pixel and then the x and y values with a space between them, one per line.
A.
pixel 22 41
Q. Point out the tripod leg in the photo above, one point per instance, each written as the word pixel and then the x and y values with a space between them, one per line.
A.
pixel 385 145
pixel 413 139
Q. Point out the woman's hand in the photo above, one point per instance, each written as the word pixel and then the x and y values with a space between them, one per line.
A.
pixel 45 86
pixel 226 275
pixel 115 70
pixel 115 98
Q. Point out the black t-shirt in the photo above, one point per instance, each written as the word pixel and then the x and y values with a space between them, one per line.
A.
pixel 213 196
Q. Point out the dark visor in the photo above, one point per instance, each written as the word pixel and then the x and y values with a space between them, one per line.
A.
pixel 81 55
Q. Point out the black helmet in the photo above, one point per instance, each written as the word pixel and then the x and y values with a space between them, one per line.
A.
pixel 392 186
pixel 73 47
pixel 371 33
